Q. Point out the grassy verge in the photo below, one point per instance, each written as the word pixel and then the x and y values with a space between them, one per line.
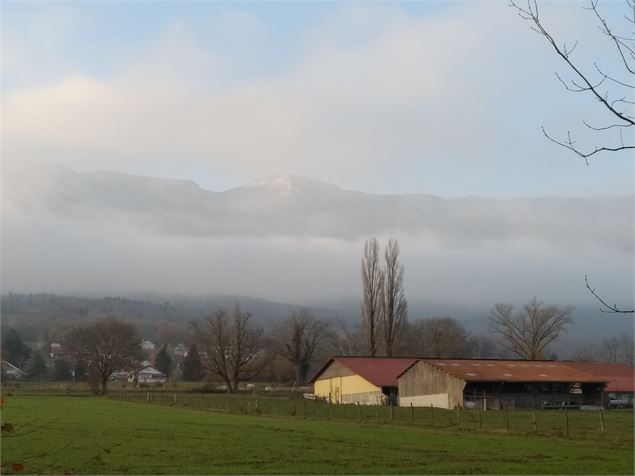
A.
pixel 90 435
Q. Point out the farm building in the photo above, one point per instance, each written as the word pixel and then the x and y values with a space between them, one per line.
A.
pixel 364 380
pixel 495 384
pixel 621 382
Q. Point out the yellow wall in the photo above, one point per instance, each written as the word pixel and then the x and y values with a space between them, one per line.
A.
pixel 348 389
pixel 439 400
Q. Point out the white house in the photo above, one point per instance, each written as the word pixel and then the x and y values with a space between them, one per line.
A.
pixel 147 374
pixel 147 345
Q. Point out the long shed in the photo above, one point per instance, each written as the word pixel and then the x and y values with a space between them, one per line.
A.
pixel 489 384
pixel 621 380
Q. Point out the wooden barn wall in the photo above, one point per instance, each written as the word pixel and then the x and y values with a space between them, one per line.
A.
pixel 423 380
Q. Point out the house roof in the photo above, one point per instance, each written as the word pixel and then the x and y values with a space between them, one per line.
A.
pixel 621 378
pixel 380 371
pixel 9 367
pixel 483 370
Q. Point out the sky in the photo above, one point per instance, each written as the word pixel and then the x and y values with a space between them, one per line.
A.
pixel 421 97
pixel 432 97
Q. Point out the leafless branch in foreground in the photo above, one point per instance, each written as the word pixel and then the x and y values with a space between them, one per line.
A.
pixel 614 101
pixel 608 308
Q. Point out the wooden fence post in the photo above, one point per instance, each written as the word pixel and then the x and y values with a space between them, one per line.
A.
pixel 359 412
pixel 533 419
pixel 412 413
pixel 566 423
pixel 506 419
pixel 601 421
pixel 148 397
pixel 331 410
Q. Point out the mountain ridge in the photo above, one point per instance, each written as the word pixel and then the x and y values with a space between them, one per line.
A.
pixel 297 206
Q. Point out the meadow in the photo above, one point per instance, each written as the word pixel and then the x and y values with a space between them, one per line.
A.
pixel 98 435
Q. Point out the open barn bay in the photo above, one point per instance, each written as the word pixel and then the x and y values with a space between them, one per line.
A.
pixel 91 435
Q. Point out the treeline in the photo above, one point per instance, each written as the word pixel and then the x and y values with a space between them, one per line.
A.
pixel 225 346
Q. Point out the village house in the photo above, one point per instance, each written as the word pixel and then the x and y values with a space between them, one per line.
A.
pixel 58 352
pixel 147 345
pixel 11 372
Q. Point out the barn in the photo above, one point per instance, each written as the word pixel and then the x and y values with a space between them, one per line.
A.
pixel 621 382
pixel 363 380
pixel 496 384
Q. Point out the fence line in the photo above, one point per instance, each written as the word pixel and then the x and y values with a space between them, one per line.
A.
pixel 579 424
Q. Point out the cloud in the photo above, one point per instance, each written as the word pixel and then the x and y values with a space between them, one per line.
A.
pixel 374 96
pixel 296 239
pixel 376 90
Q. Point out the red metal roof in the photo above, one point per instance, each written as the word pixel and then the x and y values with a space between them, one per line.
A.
pixel 380 371
pixel 621 378
pixel 513 370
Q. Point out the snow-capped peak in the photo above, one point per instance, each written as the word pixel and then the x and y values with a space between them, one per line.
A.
pixel 283 183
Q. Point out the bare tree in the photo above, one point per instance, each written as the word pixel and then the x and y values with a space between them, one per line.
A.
pixel 618 349
pixel 529 332
pixel 346 339
pixel 613 93
pixel 441 337
pixel 372 285
pixel 106 346
pixel 229 347
pixel 298 339
pixel 394 306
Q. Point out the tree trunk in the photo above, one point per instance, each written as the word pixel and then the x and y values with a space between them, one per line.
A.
pixel 104 385
pixel 299 377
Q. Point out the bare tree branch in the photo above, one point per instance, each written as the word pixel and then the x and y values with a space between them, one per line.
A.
pixel 608 308
pixel 582 83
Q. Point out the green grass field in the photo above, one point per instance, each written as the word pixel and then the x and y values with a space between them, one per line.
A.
pixel 94 435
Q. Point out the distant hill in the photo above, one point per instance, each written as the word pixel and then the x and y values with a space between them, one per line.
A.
pixel 166 318
pixel 48 316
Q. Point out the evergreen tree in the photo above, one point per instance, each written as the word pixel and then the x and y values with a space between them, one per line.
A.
pixel 80 371
pixel 14 350
pixel 192 368
pixel 35 367
pixel 61 371
pixel 163 362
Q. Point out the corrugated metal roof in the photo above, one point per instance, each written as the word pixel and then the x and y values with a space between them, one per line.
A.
pixel 513 370
pixel 621 378
pixel 380 371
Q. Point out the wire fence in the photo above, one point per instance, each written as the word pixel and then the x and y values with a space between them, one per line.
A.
pixel 577 424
